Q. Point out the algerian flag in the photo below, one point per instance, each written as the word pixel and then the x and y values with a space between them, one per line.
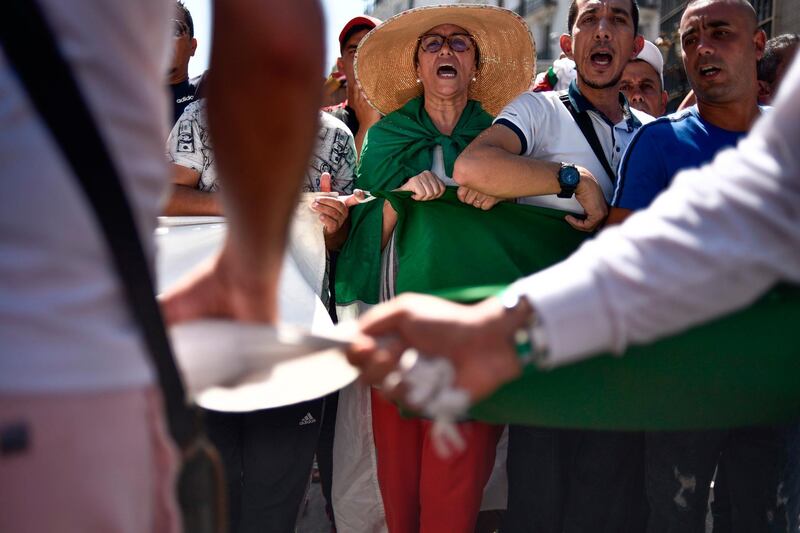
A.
pixel 737 371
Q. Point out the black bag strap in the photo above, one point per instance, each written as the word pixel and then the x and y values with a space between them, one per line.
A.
pixel 584 122
pixel 31 49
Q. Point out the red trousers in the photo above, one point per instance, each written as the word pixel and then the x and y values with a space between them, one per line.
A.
pixel 421 491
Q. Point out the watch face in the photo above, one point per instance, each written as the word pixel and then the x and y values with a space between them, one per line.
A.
pixel 569 176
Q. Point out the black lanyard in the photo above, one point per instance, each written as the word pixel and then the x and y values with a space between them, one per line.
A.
pixel 584 122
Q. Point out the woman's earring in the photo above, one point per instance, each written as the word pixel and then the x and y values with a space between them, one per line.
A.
pixel 474 78
pixel 419 81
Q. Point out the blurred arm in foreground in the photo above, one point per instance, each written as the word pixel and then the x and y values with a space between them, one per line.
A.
pixel 262 124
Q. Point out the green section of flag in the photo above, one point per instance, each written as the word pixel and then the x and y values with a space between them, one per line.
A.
pixel 445 244
pixel 552 78
pixel 741 370
pixel 737 371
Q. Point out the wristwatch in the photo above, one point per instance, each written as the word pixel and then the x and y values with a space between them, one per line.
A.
pixel 529 338
pixel 568 178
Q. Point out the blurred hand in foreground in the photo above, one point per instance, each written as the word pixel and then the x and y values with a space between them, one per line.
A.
pixel 477 339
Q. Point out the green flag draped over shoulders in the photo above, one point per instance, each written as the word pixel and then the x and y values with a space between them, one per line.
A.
pixel 397 148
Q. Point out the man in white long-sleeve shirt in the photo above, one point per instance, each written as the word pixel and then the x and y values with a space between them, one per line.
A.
pixel 718 238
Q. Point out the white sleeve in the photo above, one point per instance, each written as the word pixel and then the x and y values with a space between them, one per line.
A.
pixel 712 243
pixel 334 152
pixel 346 172
pixel 188 144
pixel 522 116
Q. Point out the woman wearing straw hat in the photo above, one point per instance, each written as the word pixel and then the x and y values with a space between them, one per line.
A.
pixel 436 73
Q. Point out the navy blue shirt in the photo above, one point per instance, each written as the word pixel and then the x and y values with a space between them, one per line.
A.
pixel 184 93
pixel 663 148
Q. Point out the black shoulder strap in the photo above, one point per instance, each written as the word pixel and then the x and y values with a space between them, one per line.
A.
pixel 584 122
pixel 32 50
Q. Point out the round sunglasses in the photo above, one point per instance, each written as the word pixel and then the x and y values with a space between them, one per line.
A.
pixel 457 42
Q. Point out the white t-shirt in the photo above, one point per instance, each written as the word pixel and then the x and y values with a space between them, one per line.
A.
pixel 189 145
pixel 548 132
pixel 64 323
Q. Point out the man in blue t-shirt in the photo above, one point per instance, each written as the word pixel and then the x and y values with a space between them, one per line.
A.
pixel 663 148
pixel 718 64
pixel 721 45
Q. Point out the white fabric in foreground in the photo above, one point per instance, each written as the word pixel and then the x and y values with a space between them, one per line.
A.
pixel 307 242
pixel 238 367
pixel 181 247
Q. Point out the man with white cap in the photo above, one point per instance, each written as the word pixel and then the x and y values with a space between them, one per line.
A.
pixel 642 81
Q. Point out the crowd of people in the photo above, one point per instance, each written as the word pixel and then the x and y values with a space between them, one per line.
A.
pixel 448 164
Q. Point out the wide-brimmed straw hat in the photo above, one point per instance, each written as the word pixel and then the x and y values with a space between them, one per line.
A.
pixel 384 63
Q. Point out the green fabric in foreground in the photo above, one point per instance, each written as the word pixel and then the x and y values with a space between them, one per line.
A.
pixel 740 370
pixel 736 371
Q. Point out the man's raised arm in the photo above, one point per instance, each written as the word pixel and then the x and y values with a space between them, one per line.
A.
pixel 492 164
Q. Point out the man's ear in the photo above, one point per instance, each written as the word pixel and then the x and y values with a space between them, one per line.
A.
pixel 760 41
pixel 566 44
pixel 340 64
pixel 664 100
pixel 194 46
pixel 638 44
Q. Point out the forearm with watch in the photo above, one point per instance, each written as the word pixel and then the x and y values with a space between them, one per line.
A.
pixel 568 179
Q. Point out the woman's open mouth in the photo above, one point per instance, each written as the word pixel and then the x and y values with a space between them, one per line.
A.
pixel 446 71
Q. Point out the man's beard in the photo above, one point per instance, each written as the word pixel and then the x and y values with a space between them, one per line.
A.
pixel 594 85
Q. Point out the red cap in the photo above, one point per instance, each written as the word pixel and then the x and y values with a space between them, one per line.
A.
pixel 361 20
